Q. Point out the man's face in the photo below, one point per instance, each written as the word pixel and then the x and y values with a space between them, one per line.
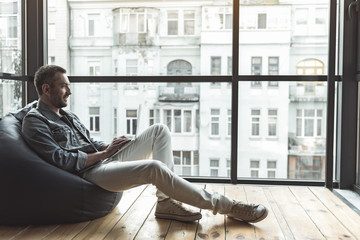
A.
pixel 60 92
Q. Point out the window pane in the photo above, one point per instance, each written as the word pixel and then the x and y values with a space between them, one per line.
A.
pixel 290 31
pixel 10 96
pixel 295 118
pixel 154 34
pixel 191 149
pixel 10 37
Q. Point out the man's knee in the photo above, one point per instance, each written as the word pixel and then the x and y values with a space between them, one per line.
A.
pixel 156 167
pixel 161 129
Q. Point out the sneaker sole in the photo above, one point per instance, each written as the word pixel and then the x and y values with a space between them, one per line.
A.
pixel 262 217
pixel 178 218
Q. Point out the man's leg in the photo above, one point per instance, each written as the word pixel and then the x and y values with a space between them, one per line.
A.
pixel 118 175
pixel 155 141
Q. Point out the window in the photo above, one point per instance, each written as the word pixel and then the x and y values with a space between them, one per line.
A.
pixel 255 122
pixel 94 68
pixel 132 20
pixel 131 67
pixel 310 67
pixel 321 16
pixel 93 21
pixel 215 66
pixel 308 122
pixel 186 163
pixel 261 21
pixel 256 69
pixel 189 22
pixel 115 122
pixel 214 167
pixel 51 60
pixel 215 122
pixel 178 120
pixel 131 122
pixel 94 114
pixel 301 16
pixel 256 65
pixel 179 68
pixel 218 18
pixel 173 21
pixel 271 169
pixel 229 65
pixel 273 66
pixel 151 117
pixel 51 31
pixel 254 168
pixel 306 167
pixel 187 121
pixel 228 122
pixel 272 122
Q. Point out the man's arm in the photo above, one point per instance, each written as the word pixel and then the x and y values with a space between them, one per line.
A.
pixel 38 135
pixel 107 151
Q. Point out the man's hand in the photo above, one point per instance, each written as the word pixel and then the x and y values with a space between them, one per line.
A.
pixel 115 145
pixel 107 151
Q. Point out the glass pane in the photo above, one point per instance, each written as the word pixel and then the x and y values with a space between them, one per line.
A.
pixel 283 37
pixel 156 34
pixel 10 37
pixel 193 143
pixel 283 129
pixel 10 96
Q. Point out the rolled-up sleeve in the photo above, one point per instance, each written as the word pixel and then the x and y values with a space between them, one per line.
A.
pixel 38 135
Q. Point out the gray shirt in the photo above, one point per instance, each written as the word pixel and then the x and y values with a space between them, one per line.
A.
pixel 55 139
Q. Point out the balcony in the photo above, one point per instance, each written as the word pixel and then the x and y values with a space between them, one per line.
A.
pixel 308 92
pixel 179 94
pixel 138 39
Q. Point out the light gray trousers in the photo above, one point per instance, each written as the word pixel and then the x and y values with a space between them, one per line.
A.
pixel 132 167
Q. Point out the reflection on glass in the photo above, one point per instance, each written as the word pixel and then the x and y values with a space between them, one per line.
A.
pixel 197 115
pixel 282 131
pixel 10 37
pixel 283 37
pixel 107 38
pixel 10 96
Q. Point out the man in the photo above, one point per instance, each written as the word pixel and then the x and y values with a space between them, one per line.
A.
pixel 59 137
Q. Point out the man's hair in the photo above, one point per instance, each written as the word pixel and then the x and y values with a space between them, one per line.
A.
pixel 46 75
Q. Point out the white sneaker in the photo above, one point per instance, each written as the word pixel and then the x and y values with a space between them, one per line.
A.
pixel 171 209
pixel 247 212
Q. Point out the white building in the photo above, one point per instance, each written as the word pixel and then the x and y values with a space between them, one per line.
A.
pixel 195 38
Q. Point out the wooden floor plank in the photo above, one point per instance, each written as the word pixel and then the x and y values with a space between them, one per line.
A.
pixel 236 229
pixel 35 232
pixel 99 228
pixel 281 222
pixel 345 215
pixel 134 218
pixel 67 231
pixel 299 222
pixel 212 226
pixel 8 232
pixel 153 228
pixel 294 213
pixel 269 227
pixel 324 220
pixel 184 230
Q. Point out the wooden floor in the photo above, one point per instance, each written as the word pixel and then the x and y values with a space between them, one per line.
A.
pixel 294 213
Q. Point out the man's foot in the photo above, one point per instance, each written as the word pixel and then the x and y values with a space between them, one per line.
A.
pixel 247 212
pixel 171 209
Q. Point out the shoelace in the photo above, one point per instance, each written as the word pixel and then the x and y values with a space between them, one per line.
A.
pixel 178 206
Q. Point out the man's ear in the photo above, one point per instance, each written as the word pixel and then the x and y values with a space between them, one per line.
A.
pixel 45 88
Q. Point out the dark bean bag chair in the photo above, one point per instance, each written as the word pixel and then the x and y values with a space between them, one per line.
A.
pixel 34 192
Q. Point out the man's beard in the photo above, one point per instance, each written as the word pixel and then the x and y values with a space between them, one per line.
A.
pixel 59 102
